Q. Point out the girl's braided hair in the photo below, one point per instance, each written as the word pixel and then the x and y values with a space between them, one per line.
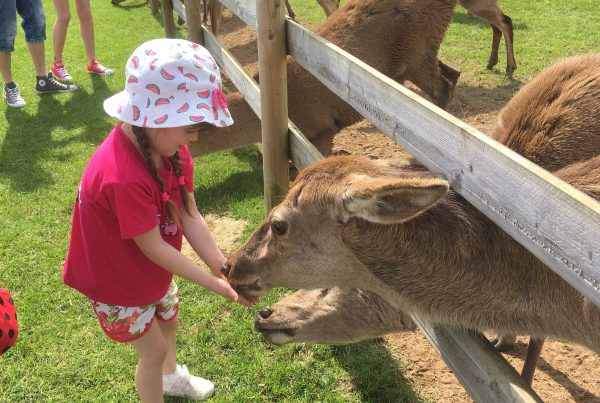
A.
pixel 173 211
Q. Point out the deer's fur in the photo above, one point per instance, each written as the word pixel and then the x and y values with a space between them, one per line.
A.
pixel 487 10
pixel 552 120
pixel 403 50
pixel 396 230
pixel 330 316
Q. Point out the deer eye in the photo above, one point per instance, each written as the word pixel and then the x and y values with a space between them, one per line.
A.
pixel 279 227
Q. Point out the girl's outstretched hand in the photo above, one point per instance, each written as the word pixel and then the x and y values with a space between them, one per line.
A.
pixel 224 288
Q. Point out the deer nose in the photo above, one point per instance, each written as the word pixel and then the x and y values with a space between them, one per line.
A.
pixel 265 313
pixel 226 269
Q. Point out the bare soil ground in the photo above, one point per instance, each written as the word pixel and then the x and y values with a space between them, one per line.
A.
pixel 565 373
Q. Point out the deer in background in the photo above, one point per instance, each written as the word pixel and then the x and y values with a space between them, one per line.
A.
pixel 487 10
pixel 406 51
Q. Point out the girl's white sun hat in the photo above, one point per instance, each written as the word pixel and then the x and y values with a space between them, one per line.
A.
pixel 170 83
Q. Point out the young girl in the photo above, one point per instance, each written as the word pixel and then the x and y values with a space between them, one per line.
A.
pixel 135 202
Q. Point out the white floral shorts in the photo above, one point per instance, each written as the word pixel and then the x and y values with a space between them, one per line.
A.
pixel 125 324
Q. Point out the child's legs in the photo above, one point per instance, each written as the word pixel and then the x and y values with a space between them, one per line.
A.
pixel 34 25
pixel 8 31
pixel 169 330
pixel 38 55
pixel 6 66
pixel 59 31
pixel 166 316
pixel 152 350
pixel 86 26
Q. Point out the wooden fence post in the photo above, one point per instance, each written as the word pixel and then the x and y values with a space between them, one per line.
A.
pixel 167 10
pixel 193 20
pixel 273 98
pixel 154 6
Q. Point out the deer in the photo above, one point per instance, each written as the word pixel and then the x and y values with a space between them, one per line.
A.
pixel 351 222
pixel 330 316
pixel 487 10
pixel 404 51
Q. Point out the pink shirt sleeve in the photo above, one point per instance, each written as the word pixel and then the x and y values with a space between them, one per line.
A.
pixel 134 206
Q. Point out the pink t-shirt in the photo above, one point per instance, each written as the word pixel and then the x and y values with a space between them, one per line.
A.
pixel 118 200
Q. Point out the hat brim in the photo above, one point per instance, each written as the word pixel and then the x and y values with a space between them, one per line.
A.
pixel 111 105
pixel 119 106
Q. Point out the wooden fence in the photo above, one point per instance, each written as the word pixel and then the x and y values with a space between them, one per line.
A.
pixel 557 223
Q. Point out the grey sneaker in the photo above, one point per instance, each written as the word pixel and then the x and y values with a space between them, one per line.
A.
pixel 47 85
pixel 13 98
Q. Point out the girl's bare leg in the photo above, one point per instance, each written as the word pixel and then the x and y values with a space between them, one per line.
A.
pixel 59 31
pixel 86 26
pixel 152 350
pixel 169 330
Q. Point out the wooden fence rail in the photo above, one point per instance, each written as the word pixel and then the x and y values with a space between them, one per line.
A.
pixel 556 222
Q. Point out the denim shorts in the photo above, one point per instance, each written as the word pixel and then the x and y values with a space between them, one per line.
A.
pixel 33 21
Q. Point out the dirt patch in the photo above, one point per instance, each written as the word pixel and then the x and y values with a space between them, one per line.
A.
pixel 225 230
pixel 565 373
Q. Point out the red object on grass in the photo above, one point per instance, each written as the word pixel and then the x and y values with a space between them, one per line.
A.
pixel 9 327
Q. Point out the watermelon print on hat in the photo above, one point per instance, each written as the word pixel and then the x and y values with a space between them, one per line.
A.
pixel 170 83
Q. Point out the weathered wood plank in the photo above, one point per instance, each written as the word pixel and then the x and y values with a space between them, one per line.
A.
pixel 556 222
pixel 245 9
pixel 272 64
pixel 154 6
pixel 193 20
pixel 486 375
pixel 169 24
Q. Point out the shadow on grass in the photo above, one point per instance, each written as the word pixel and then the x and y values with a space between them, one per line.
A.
pixel 376 374
pixel 128 5
pixel 29 142
pixel 237 187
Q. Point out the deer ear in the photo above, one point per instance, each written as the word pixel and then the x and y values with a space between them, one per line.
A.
pixel 392 200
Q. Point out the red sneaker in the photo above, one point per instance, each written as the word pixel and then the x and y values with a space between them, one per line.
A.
pixel 97 68
pixel 60 71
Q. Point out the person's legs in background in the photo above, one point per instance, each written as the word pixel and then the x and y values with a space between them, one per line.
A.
pixel 34 25
pixel 86 26
pixel 8 31
pixel 59 36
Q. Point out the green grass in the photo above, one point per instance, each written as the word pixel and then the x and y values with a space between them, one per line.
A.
pixel 544 31
pixel 62 355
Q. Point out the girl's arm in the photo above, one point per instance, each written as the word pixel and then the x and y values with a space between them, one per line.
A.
pixel 198 234
pixel 160 252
